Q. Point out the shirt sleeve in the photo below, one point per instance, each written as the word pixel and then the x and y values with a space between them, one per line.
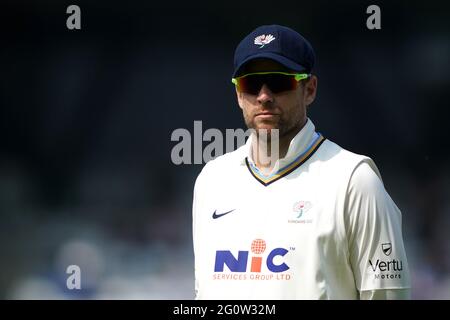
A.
pixel 388 294
pixel 195 208
pixel 374 233
pixel 198 204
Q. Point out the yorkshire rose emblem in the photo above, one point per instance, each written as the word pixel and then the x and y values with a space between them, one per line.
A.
pixel 301 207
pixel 264 39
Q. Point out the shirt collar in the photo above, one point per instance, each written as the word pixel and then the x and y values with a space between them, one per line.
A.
pixel 298 144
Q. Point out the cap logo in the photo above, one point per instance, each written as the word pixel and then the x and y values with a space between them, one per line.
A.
pixel 264 39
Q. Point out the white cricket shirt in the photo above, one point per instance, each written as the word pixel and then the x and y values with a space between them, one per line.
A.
pixel 321 227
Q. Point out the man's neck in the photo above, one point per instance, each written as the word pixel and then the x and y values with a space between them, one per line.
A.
pixel 265 158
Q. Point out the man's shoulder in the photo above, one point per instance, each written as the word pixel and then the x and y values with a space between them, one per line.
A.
pixel 225 163
pixel 336 152
pixel 343 160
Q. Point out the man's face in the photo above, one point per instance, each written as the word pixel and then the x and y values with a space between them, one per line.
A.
pixel 285 111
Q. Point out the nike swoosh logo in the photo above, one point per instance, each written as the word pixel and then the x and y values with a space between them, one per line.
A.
pixel 215 215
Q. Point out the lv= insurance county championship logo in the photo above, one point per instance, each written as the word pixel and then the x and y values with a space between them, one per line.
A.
pixel 263 265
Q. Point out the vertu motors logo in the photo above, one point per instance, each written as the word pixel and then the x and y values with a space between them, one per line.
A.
pixel 387 248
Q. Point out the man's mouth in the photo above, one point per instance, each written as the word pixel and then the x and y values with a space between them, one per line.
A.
pixel 266 115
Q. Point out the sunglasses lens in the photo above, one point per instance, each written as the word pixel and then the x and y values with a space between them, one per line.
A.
pixel 250 84
pixel 279 83
pixel 276 82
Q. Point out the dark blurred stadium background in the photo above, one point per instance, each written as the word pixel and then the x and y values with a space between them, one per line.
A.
pixel 86 118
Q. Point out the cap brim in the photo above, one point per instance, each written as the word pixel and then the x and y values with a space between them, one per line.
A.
pixel 280 59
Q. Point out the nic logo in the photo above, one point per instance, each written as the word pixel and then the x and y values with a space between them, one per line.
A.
pixel 239 264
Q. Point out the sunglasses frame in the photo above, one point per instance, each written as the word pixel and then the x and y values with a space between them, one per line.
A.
pixel 298 76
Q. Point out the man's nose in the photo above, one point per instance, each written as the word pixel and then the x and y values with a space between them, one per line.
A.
pixel 265 95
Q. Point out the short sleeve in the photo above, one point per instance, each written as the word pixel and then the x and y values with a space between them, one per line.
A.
pixel 198 208
pixel 374 233
pixel 386 294
pixel 196 204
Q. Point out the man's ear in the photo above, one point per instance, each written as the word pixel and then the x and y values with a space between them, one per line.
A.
pixel 310 90
pixel 239 99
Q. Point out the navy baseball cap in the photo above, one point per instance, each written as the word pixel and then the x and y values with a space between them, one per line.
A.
pixel 279 43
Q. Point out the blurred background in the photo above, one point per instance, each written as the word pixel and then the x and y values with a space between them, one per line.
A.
pixel 86 118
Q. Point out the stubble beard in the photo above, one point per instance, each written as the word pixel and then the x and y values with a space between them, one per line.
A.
pixel 284 128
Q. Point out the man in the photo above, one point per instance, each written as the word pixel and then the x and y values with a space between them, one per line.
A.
pixel 316 223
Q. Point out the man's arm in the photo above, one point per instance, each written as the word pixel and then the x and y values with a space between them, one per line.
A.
pixel 375 240
pixel 387 294
pixel 195 208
